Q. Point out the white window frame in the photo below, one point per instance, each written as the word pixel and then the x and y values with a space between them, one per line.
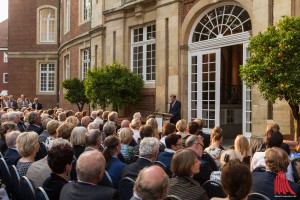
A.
pixel 5 57
pixel 47 21
pixel 48 72
pixel 85 62
pixel 144 43
pixel 67 66
pixel 86 10
pixel 67 15
pixel 5 76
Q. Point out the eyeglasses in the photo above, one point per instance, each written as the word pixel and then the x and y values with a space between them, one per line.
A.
pixel 179 144
pixel 199 144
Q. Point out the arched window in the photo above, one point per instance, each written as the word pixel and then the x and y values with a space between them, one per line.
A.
pixel 222 21
pixel 47 25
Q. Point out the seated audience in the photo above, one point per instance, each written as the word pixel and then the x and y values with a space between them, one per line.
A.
pixel 93 125
pixel 39 171
pixel 205 136
pixel 60 162
pixel 241 144
pixel 275 128
pixel 236 181
pixel 90 169
pixel 78 140
pixel 216 139
pixel 173 144
pixel 85 121
pixel 51 129
pixel 138 115
pixel 149 148
pixel 35 123
pixel 109 128
pixel 125 136
pixel 113 165
pixel 6 127
pixel 272 139
pixel 181 127
pixel 145 131
pixel 196 144
pixel 272 183
pixel 64 130
pixel 167 129
pixel 11 156
pixel 153 123
pixel 72 120
pixel 99 117
pixel 93 140
pixel 135 126
pixel 44 135
pixel 61 117
pixel 185 165
pixel 70 113
pixel 152 183
pixel 27 146
pixel 125 124
pixel 226 156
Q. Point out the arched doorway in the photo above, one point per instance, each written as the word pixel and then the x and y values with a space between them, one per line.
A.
pixel 217 47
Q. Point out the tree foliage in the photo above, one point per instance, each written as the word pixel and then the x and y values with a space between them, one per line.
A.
pixel 75 92
pixel 113 84
pixel 274 64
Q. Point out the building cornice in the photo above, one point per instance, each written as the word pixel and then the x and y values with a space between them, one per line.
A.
pixel 52 54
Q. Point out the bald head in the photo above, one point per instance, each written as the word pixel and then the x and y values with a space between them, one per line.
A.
pixel 85 121
pixel 90 166
pixel 125 123
pixel 152 183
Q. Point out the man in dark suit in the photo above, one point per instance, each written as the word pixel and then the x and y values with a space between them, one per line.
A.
pixel 266 183
pixel 195 143
pixel 11 156
pixel 36 105
pixel 149 148
pixel 90 168
pixel 35 123
pixel 12 103
pixel 175 107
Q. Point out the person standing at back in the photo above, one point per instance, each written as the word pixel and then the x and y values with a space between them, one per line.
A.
pixel 175 107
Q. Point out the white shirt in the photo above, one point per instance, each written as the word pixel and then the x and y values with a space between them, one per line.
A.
pixel 98 120
pixel 136 135
pixel 258 160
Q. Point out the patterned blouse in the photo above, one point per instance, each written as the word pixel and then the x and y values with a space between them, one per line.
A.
pixel 214 152
pixel 22 167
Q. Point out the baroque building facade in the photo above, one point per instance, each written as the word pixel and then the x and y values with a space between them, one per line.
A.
pixel 191 48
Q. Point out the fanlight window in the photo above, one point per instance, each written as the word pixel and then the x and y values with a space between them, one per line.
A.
pixel 222 21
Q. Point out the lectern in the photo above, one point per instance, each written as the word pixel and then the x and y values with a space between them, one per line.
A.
pixel 162 118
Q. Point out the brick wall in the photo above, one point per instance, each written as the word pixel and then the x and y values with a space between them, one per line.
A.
pixel 186 7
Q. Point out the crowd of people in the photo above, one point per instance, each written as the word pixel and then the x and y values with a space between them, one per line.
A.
pixel 73 154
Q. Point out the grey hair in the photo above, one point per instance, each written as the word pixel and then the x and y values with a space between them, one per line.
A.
pixel 62 116
pixel 45 122
pixel 92 137
pixel 191 140
pixel 137 115
pixel 93 125
pixel 109 128
pixel 89 165
pixel 58 141
pixel 135 123
pixel 12 115
pixel 94 114
pixel 148 147
pixel 4 116
pixel 11 138
pixel 112 116
pixel 32 116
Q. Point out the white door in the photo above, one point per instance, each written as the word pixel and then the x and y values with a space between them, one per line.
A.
pixel 204 87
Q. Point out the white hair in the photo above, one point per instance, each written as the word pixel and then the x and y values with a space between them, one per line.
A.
pixel 148 147
pixel 137 115
pixel 93 125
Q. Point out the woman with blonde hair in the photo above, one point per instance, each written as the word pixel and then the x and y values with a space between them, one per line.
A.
pixel 153 123
pixel 73 120
pixel 181 126
pixel 27 146
pixel 125 136
pixel 216 138
pixel 241 144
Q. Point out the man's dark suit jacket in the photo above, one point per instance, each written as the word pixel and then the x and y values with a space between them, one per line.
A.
pixel 11 156
pixel 39 106
pixel 34 128
pixel 13 105
pixel 206 138
pixel 132 170
pixel 53 186
pixel 80 191
pixel 175 111
pixel 21 126
pixel 204 174
pixel 263 182
pixel 206 157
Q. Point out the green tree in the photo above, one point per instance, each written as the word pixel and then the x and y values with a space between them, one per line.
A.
pixel 75 92
pixel 274 65
pixel 113 84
